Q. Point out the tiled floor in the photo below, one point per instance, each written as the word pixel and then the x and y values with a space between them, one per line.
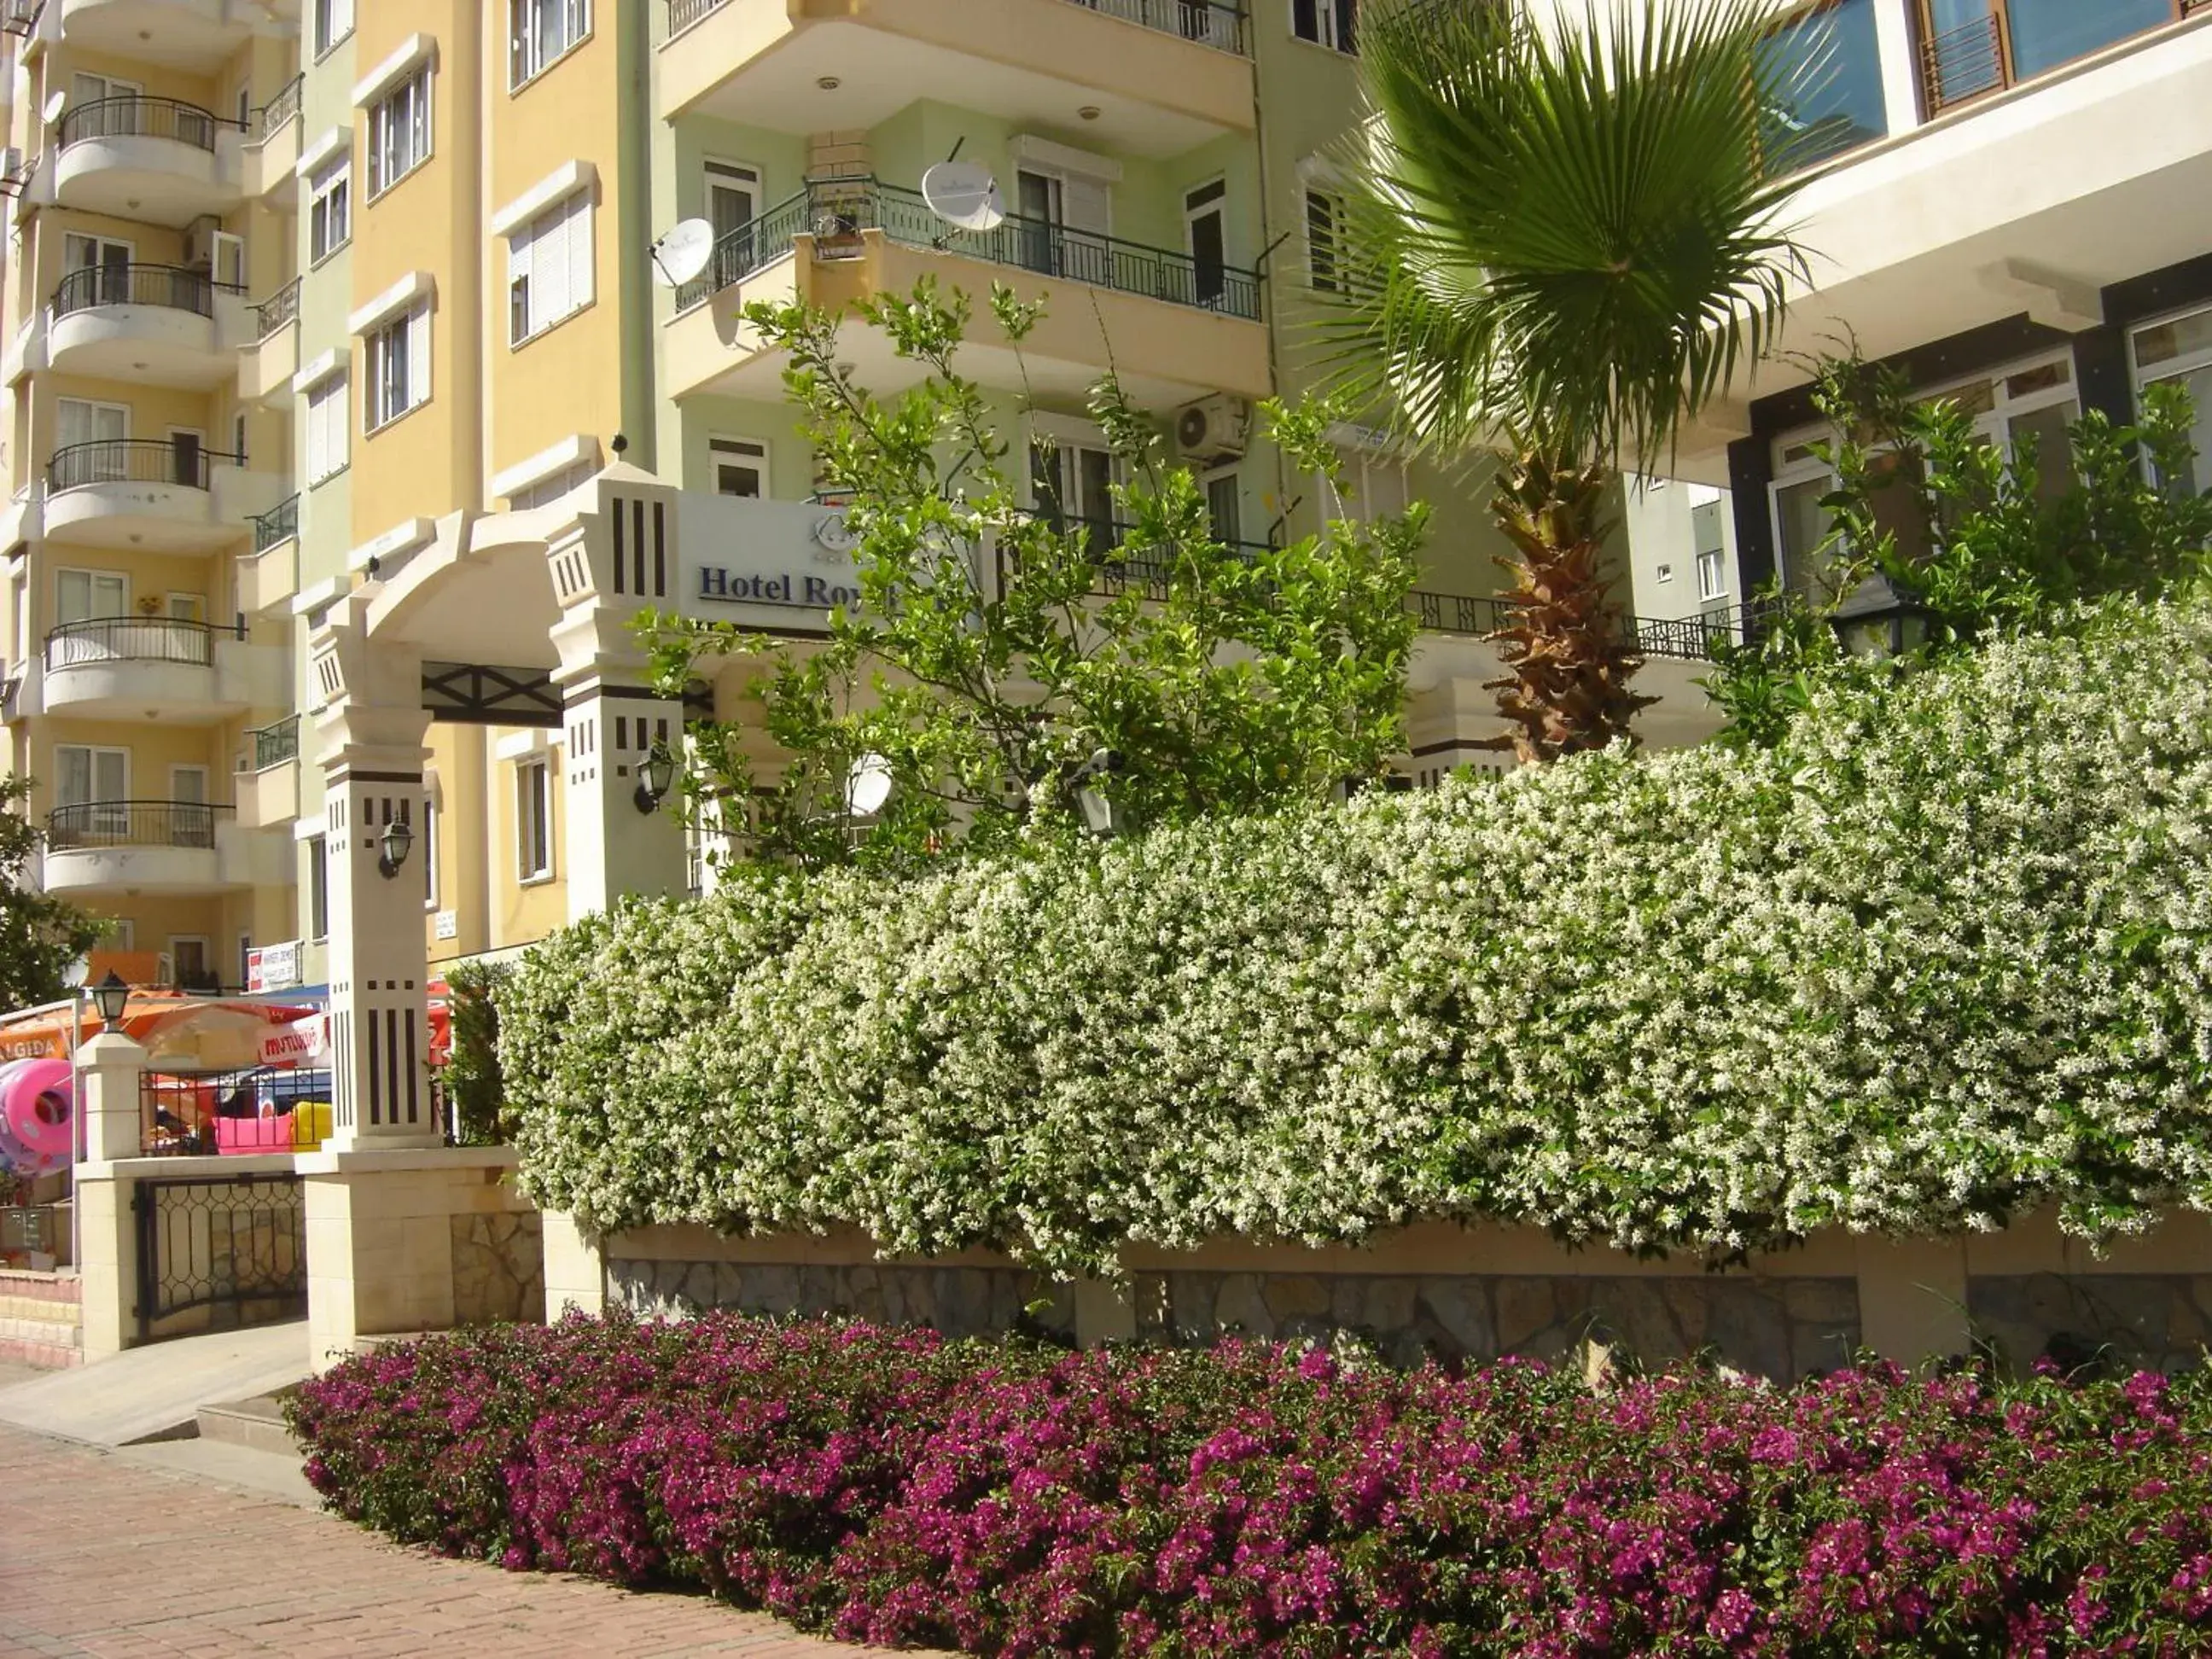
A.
pixel 99 1556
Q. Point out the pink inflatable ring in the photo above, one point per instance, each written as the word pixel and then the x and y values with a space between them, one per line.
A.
pixel 38 1104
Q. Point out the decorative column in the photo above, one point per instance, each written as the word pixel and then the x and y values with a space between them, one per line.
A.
pixel 109 1070
pixel 607 567
pixel 372 728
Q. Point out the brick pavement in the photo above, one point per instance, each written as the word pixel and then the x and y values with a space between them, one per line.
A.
pixel 101 1559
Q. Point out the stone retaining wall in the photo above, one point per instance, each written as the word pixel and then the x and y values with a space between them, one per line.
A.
pixel 1479 1293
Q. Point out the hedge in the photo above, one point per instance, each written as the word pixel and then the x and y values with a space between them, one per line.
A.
pixel 1942 955
pixel 1258 1501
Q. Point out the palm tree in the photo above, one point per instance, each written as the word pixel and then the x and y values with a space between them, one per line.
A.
pixel 1562 243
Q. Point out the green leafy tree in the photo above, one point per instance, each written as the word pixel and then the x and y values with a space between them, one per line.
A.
pixel 40 937
pixel 996 652
pixel 1563 245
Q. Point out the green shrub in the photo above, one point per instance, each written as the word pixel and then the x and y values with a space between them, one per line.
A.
pixel 473 1079
pixel 1941 954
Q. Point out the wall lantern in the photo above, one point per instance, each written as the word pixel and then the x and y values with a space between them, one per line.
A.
pixel 1100 815
pixel 656 776
pixel 110 997
pixel 1879 618
pixel 398 842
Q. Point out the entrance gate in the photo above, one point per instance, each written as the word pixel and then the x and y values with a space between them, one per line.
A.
pixel 219 1252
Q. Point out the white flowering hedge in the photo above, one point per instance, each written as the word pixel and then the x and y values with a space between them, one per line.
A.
pixel 1944 955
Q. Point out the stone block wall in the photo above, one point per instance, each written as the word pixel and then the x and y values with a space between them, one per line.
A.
pixel 499 1267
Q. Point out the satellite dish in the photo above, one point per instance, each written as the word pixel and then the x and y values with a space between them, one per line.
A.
pixel 55 106
pixel 683 253
pixel 867 785
pixel 964 196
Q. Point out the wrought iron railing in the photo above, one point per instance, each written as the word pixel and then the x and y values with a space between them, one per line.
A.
pixel 134 639
pixel 682 14
pixel 132 460
pixel 281 523
pixel 1686 639
pixel 1963 62
pixel 1209 24
pixel 1459 613
pixel 837 211
pixel 284 108
pixel 278 309
pixel 171 287
pixel 217 1252
pixel 273 745
pixel 752 247
pixel 136 116
pixel 97 823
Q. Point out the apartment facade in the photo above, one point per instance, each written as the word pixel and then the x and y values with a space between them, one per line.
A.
pixel 2002 210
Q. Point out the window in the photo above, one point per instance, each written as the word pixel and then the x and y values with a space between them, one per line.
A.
pixel 185 607
pixel 430 861
pixel 399 132
pixel 329 428
pixel 2179 351
pixel 333 22
pixel 396 367
pixel 87 442
pixel 90 595
pixel 1828 63
pixel 733 203
pixel 1324 216
pixel 1665 572
pixel 1067 222
pixel 1375 485
pixel 541 31
pixel 1206 224
pixel 1712 575
pixel 95 782
pixel 533 821
pixel 1970 47
pixel 1223 509
pixel 109 260
pixel 318 887
pixel 1326 22
pixel 330 211
pixel 549 268
pixel 1073 486
pixel 739 467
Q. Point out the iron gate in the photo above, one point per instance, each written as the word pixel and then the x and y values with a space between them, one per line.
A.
pixel 219 1252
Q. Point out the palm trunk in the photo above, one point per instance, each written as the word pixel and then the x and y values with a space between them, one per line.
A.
pixel 1568 655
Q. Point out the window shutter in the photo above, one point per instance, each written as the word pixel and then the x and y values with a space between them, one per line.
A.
pixel 580 251
pixel 1087 204
pixel 337 422
pixel 521 259
pixel 318 435
pixel 418 356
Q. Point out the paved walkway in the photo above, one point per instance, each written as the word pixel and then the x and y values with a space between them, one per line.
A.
pixel 102 1556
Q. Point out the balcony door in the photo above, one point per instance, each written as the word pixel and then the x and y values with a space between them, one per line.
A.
pixel 188 457
pixel 110 258
pixel 734 206
pixel 91 787
pixel 192 820
pixel 77 421
pixel 1066 222
pixel 118 121
pixel 1206 225
pixel 86 596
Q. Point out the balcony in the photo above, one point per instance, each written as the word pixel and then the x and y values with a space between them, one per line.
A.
pixel 266 366
pixel 269 578
pixel 157 495
pixel 269 794
pixel 1173 327
pixel 163 847
pixel 158 668
pixel 197 36
pixel 148 324
pixel 1164 76
pixel 272 149
pixel 152 159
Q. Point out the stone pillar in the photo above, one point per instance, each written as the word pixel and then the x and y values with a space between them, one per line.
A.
pixel 372 728
pixel 109 1070
pixel 575 1269
pixel 1913 1298
pixel 613 846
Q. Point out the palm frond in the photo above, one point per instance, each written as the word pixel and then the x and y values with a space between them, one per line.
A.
pixel 1567 238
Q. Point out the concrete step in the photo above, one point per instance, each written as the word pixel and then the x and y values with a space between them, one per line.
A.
pixel 256 1423
pixel 39 1333
pixel 154 1392
pixel 26 1309
pixel 40 1356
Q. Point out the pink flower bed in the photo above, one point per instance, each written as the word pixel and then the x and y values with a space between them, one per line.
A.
pixel 891 1487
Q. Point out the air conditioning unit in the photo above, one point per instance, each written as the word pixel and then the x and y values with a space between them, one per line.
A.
pixel 199 243
pixel 1213 429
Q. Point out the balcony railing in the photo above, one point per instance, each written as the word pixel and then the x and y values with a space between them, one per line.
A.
pixel 133 460
pixel 2011 42
pixel 281 523
pixel 1686 639
pixel 134 639
pixel 837 211
pixel 1459 613
pixel 279 308
pixel 171 287
pixel 97 823
pixel 1963 62
pixel 284 108
pixel 136 116
pixel 20 16
pixel 273 745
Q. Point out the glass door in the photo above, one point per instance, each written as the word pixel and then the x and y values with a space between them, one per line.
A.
pixel 192 821
pixel 104 426
pixel 734 206
pixel 103 255
pixel 1204 218
pixel 85 597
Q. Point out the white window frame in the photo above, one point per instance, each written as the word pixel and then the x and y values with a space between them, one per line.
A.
pixel 332 24
pixel 526 59
pixel 94 578
pixel 1317 254
pixel 329 197
pixel 2179 367
pixel 328 434
pixel 742 450
pixel 1329 21
pixel 434 868
pixel 1713 575
pixel 554 253
pixel 387 126
pixel 406 333
pixel 534 800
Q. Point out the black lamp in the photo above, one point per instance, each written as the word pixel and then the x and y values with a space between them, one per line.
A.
pixel 398 842
pixel 656 775
pixel 1881 619
pixel 111 996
